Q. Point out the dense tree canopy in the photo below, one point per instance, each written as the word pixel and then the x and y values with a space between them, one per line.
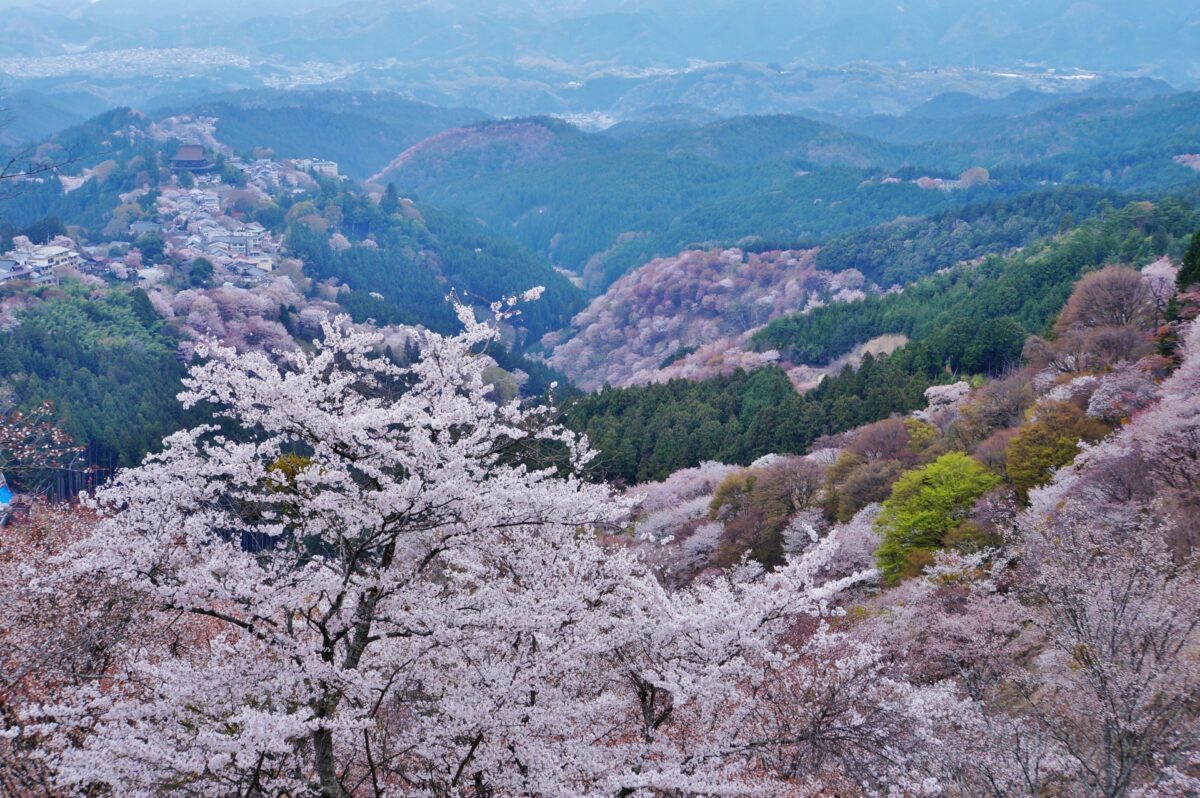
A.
pixel 106 365
pixel 924 506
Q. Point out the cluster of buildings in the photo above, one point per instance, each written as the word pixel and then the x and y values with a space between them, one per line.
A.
pixel 273 177
pixel 196 227
pixel 136 61
pixel 192 223
pixel 37 264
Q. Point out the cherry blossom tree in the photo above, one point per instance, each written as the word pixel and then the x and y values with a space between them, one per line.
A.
pixel 32 445
pixel 50 639
pixel 369 580
pixel 30 440
pixel 964 620
pixel 1120 680
pixel 1121 393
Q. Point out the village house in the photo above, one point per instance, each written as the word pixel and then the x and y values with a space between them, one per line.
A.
pixel 37 264
pixel 144 228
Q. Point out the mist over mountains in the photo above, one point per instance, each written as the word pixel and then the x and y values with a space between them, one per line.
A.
pixel 1098 34
pixel 597 62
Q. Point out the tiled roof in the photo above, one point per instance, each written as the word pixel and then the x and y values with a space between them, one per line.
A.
pixel 190 152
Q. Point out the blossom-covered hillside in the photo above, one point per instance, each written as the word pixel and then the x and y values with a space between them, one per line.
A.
pixel 690 314
pixel 1035 537
pixel 391 581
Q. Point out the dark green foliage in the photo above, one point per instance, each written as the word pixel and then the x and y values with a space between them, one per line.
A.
pixel 678 354
pixel 390 202
pixel 414 292
pixel 541 376
pixel 45 229
pixel 900 253
pixel 152 248
pixel 421 257
pixel 230 175
pixel 645 433
pixel 1189 271
pixel 105 363
pixel 201 273
pixel 39 232
pixel 959 314
pixel 648 432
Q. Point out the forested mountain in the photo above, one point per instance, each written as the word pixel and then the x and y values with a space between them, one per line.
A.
pixel 780 178
pixel 938 559
pixel 953 115
pixel 1123 143
pixel 904 250
pixel 828 332
pixel 31 117
pixel 600 207
pixel 692 314
pixel 110 155
pixel 402 259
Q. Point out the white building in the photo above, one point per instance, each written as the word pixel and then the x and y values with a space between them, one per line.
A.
pixel 53 257
pixel 321 167
pixel 37 264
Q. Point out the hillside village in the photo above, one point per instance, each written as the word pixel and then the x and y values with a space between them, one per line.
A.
pixel 195 218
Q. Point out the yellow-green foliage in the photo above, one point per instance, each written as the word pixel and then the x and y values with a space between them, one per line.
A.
pixel 921 435
pixel 284 471
pixel 927 504
pixel 1049 442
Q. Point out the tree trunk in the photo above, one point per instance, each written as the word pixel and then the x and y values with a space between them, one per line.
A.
pixel 326 766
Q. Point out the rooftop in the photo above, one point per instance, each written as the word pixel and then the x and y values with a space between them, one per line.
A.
pixel 190 152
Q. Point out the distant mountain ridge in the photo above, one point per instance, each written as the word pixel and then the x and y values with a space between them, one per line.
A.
pixel 360 130
pixel 955 114
pixel 600 205
pixel 599 57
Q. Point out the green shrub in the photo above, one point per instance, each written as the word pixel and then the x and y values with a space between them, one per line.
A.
pixel 926 504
